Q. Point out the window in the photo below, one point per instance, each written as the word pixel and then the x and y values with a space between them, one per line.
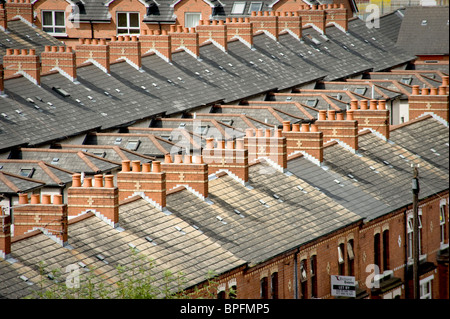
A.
pixel 341 261
pixel 424 22
pixel 442 223
pixel 377 250
pixel 191 19
pixel 360 91
pixel 238 8
pixel 54 22
pixel 313 271
pixel 350 258
pixel 221 295
pixel 312 102
pixel 274 286
pixel 233 292
pixel 133 145
pixel 128 23
pixel 406 80
pixel 386 249
pixel 303 279
pixel 410 233
pixel 27 172
pixel 255 6
pixel 425 288
pixel 263 287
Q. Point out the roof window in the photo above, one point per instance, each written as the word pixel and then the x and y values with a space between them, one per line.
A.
pixel 255 6
pixel 361 90
pixel 424 22
pixel 55 160
pixel 238 7
pixel 60 91
pixel 133 145
pixel 406 80
pixel 311 102
pixel 27 172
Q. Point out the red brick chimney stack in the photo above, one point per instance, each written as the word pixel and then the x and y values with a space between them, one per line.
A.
pixel 3 18
pixel 337 14
pixel 61 59
pixel 345 131
pixel 429 101
pixel 22 62
pixel 290 22
pixel 156 42
pixel 148 182
pixel 375 117
pixel 314 17
pixel 48 217
pixel 241 29
pixel 266 22
pixel 185 39
pixel 101 198
pixel 5 236
pixel 191 173
pixel 93 51
pixel 215 32
pixel 268 146
pixel 20 8
pixel 305 139
pixel 126 48
pixel 232 158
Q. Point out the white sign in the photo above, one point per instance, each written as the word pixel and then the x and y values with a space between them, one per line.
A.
pixel 343 286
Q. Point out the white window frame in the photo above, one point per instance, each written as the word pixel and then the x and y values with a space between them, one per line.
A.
pixel 410 233
pixel 235 7
pixel 187 14
pixel 128 27
pixel 442 221
pixel 53 25
pixel 426 282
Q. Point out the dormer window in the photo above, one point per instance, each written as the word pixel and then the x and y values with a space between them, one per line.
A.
pixel 128 23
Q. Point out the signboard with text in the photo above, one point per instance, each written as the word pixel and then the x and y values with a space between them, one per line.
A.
pixel 343 286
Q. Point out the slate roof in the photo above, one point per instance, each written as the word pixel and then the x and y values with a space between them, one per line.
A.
pixel 20 35
pixel 149 145
pixel 40 171
pixel 417 26
pixel 192 253
pixel 14 183
pixel 96 101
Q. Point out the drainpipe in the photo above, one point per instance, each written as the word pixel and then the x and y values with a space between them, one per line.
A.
pixel 296 275
pixel 92 29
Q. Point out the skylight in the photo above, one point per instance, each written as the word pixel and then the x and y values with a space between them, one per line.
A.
pixel 133 145
pixel 406 80
pixel 311 102
pixel 424 22
pixel 27 172
pixel 361 90
pixel 238 7
pixel 255 6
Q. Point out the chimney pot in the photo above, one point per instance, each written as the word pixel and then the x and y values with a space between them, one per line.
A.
pixel 46 199
pixel 57 199
pixel 156 167
pixel 305 127
pixel 373 104
pixel 76 180
pixel 230 144
pixel 331 115
pixel 167 158
pixel 267 132
pixel 425 91
pixel 322 115
pixel 286 126
pixel 340 116
pixel 35 199
pixel 210 143
pixel 240 144
pixel 442 90
pixel 350 115
pixel 109 181
pixel 136 166
pixel 126 165
pixel 445 80
pixel 382 104
pixel 98 180
pixel 146 167
pixel 363 104
pixel 23 199
pixel 354 104
pixel 415 90
pixel 178 159
pixel 187 159
pixel 87 182
pixel 198 159
pixel 314 128
pixel 434 91
pixel 249 132
pixel 296 127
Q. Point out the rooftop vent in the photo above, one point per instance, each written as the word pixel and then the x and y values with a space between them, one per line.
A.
pixel 60 91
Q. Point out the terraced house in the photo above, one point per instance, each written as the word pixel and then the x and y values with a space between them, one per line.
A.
pixel 274 149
